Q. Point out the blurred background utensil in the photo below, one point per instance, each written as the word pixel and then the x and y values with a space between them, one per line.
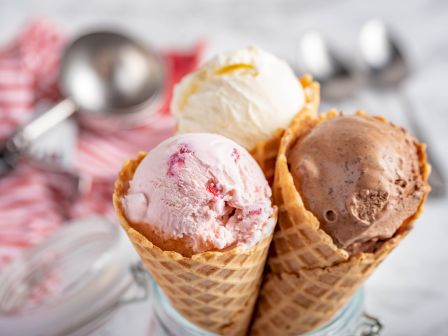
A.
pixel 105 76
pixel 320 60
pixel 57 158
pixel 386 68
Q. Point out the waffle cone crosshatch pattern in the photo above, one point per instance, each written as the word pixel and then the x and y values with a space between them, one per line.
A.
pixel 215 290
pixel 311 278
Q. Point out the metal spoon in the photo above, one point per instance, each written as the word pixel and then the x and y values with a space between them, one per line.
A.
pixel 107 77
pixel 385 66
pixel 318 59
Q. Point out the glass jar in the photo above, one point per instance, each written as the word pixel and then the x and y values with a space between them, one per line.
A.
pixel 350 321
pixel 73 283
pixel 83 279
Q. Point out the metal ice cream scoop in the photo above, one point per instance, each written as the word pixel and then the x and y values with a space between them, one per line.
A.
pixel 105 77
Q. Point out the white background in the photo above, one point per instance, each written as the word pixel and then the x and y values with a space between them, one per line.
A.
pixel 409 292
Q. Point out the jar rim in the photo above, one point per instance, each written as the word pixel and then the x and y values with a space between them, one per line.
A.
pixel 166 311
pixel 163 308
pixel 352 310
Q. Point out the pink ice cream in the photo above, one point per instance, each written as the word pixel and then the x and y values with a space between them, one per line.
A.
pixel 200 192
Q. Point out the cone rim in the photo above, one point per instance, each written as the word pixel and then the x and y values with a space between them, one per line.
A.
pixel 121 186
pixel 291 136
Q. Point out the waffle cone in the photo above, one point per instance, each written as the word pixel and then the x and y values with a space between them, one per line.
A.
pixel 265 152
pixel 310 278
pixel 215 290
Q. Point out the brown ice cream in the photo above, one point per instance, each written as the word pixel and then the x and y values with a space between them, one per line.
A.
pixel 360 176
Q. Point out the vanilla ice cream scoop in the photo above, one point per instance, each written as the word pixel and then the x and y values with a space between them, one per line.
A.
pixel 199 192
pixel 245 95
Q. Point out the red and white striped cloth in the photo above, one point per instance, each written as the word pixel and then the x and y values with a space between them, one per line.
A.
pixel 31 207
pixel 29 213
pixel 28 72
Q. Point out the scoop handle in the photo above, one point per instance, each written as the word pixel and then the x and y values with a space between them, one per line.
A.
pixel 24 136
pixel 28 133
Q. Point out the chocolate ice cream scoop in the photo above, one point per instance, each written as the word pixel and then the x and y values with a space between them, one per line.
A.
pixel 360 176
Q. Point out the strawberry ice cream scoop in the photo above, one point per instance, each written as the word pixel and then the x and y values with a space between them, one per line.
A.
pixel 200 192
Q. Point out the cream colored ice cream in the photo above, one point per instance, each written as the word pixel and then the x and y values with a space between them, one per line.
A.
pixel 245 95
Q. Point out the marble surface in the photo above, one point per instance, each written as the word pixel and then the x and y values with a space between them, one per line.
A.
pixel 409 292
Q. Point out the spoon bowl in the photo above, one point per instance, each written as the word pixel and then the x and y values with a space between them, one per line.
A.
pixel 381 57
pixel 107 73
pixel 319 60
